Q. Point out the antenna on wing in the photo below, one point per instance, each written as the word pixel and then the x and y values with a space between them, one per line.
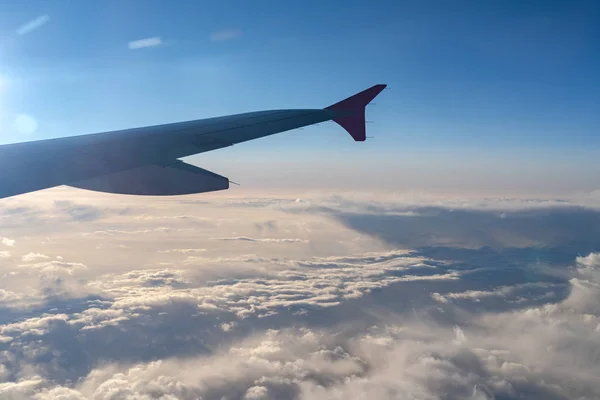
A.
pixel 234 183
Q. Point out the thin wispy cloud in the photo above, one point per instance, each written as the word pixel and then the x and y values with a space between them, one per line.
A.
pixel 262 240
pixel 33 25
pixel 34 257
pixel 225 34
pixel 147 42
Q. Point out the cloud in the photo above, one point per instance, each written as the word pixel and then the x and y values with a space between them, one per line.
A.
pixel 225 35
pixel 500 356
pixel 114 232
pixel 184 251
pixel 508 224
pixel 8 242
pixel 33 25
pixel 143 43
pixel 358 310
pixel 34 257
pixel 55 266
pixel 591 261
pixel 86 212
pixel 261 240
pixel 189 218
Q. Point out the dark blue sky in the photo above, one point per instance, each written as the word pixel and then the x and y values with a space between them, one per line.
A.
pixel 470 80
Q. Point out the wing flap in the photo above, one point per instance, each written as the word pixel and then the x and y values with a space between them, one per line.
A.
pixel 155 180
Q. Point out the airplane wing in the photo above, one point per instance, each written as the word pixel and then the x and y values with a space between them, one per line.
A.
pixel 144 161
pixel 155 180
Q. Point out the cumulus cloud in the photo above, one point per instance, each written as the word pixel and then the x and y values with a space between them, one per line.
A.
pixel 33 25
pixel 591 261
pixel 193 308
pixel 8 242
pixel 143 43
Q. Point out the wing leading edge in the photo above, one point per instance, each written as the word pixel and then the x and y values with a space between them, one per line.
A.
pixel 144 161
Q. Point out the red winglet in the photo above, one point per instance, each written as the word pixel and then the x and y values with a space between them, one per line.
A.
pixel 350 113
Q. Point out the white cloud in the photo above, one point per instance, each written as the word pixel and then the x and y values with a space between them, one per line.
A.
pixel 592 260
pixel 34 257
pixel 507 355
pixel 8 242
pixel 225 34
pixel 262 240
pixel 287 283
pixel 33 25
pixel 143 43
pixel 191 218
pixel 506 292
pixel 184 251
pixel 111 232
pixel 350 314
pixel 257 393
pixel 55 266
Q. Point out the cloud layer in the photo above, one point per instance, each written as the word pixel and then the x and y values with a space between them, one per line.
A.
pixel 107 297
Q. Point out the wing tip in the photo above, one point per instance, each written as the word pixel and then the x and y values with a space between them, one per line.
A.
pixel 350 112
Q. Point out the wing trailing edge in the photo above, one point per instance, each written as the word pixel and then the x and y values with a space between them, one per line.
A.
pixel 350 113
pixel 155 180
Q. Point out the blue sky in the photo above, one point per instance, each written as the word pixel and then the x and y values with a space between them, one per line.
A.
pixel 492 92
